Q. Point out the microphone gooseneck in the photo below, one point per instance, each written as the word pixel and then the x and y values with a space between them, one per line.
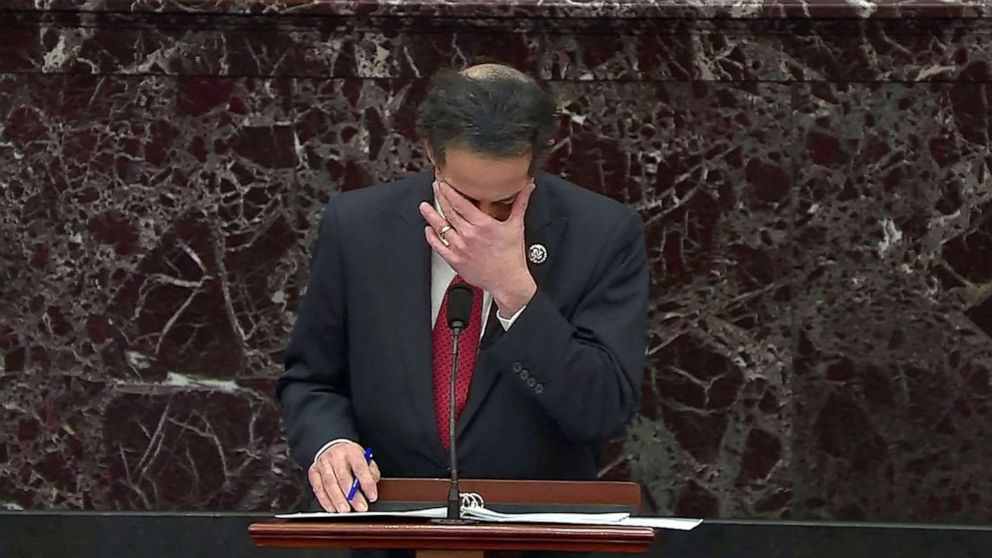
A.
pixel 459 315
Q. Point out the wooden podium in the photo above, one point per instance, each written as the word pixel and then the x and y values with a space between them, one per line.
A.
pixel 437 539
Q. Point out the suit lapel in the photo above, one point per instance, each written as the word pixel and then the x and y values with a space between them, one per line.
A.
pixel 541 226
pixel 410 281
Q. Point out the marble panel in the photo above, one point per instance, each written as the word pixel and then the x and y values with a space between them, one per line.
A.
pixel 892 396
pixel 709 167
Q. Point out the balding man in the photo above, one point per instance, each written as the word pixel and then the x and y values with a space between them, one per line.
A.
pixel 552 360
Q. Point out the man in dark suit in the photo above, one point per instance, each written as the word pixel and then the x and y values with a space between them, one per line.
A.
pixel 552 361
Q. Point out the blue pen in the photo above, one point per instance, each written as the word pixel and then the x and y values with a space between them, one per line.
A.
pixel 354 483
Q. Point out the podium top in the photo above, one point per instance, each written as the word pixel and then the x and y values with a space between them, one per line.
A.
pixel 503 495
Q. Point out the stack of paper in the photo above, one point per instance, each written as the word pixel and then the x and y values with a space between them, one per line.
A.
pixel 479 513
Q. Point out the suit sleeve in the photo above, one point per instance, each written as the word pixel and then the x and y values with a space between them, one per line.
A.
pixel 313 391
pixel 586 370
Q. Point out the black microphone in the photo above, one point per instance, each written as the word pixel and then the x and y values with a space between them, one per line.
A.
pixel 459 307
pixel 459 315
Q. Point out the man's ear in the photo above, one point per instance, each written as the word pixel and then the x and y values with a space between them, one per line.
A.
pixel 429 151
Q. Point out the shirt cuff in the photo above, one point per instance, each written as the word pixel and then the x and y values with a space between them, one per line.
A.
pixel 329 444
pixel 507 322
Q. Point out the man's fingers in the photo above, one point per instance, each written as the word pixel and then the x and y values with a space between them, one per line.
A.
pixel 339 494
pixel 435 243
pixel 359 503
pixel 374 467
pixel 466 209
pixel 317 483
pixel 441 227
pixel 520 204
pixel 361 470
pixel 432 217
pixel 342 472
pixel 332 489
pixel 451 214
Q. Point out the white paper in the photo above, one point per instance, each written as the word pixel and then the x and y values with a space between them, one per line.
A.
pixel 484 514
pixel 678 523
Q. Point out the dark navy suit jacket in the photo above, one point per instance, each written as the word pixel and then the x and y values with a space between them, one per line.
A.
pixel 565 377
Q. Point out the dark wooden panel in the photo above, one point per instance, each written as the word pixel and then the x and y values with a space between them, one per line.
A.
pixel 466 536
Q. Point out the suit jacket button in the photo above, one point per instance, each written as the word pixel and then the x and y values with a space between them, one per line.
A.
pixel 524 374
pixel 531 382
pixel 517 367
pixel 539 389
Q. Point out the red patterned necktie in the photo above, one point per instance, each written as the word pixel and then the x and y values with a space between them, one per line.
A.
pixel 468 348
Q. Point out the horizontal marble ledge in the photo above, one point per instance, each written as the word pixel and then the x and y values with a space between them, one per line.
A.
pixel 626 9
pixel 290 45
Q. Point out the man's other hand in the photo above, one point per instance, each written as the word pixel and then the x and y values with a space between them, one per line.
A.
pixel 334 470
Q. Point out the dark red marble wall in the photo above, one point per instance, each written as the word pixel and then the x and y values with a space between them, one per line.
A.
pixel 814 178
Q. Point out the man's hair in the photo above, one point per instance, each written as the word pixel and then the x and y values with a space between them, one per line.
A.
pixel 489 109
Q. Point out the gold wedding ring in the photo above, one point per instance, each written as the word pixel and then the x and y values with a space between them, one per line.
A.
pixel 444 230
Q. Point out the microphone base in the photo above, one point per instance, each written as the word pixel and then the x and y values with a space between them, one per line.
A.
pixel 454 498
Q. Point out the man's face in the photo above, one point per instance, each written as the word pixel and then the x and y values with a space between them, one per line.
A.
pixel 491 184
